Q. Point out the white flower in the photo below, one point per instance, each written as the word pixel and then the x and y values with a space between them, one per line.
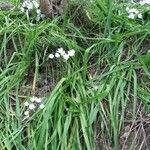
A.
pixel 71 52
pixel 37 18
pixel 147 1
pixel 66 56
pixel 57 55
pixel 31 106
pixel 132 16
pixel 144 2
pixel 26 113
pixel 127 9
pixel 29 5
pixel 133 13
pixel 133 10
pixel 140 16
pixel 38 11
pixel 22 9
pixel 25 4
pixel 42 16
pixel 26 103
pixel 38 100
pixel 42 106
pixel 32 99
pixel 61 51
pixel 35 4
pixel 51 56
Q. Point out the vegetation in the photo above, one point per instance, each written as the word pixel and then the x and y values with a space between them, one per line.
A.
pixel 98 99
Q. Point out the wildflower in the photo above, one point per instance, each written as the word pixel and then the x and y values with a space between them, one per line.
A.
pixel 127 9
pixel 29 6
pixel 143 2
pixel 71 52
pixel 66 57
pixel 38 18
pixel 38 11
pixel 35 4
pixel 42 106
pixel 25 4
pixel 51 56
pixel 26 113
pixel 57 55
pixel 32 99
pixel 26 103
pixel 42 16
pixel 38 100
pixel 131 16
pixel 31 106
pixel 61 51
pixel 133 13
pixel 22 9
pixel 147 1
pixel 140 16
pixel 133 10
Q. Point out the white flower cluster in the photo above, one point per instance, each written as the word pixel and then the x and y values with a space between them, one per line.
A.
pixel 34 103
pixel 28 6
pixel 133 13
pixel 61 52
pixel 143 2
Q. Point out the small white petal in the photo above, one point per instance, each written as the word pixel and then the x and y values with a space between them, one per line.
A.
pixel 37 18
pixel 133 10
pixel 66 56
pixel 42 16
pixel 57 55
pixel 51 56
pixel 32 99
pixel 42 106
pixel 38 100
pixel 22 9
pixel 71 52
pixel 31 106
pixel 140 16
pixel 132 16
pixel 26 113
pixel 26 103
pixel 35 4
pixel 38 11
pixel 29 5
pixel 24 4
pixel 143 2
pixel 127 9
pixel 61 51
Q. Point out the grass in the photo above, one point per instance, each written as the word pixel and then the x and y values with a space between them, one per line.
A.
pixel 95 96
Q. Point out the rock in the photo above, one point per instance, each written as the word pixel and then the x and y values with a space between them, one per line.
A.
pixel 6 6
pixel 52 8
